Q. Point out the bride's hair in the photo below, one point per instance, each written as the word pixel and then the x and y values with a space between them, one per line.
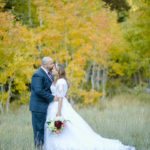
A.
pixel 61 72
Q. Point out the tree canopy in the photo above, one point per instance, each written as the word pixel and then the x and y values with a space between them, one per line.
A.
pixel 99 55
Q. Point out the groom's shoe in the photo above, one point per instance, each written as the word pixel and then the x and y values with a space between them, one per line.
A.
pixel 40 147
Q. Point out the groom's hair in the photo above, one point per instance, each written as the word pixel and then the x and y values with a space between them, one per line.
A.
pixel 45 60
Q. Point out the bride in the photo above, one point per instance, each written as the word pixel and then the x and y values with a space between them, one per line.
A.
pixel 77 135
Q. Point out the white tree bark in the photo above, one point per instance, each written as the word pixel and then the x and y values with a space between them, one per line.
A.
pixel 1 102
pixel 71 99
pixel 88 73
pixel 139 76
pixel 149 77
pixel 135 78
pixel 40 17
pixel 93 77
pixel 66 37
pixel 65 43
pixel 29 12
pixel 104 81
pixel 98 78
pixel 9 94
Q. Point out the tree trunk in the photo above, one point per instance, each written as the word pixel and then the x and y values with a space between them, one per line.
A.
pixel 1 103
pixel 66 63
pixel 139 76
pixel 40 17
pixel 93 77
pixel 9 94
pixel 71 99
pixel 104 81
pixel 135 78
pixel 88 73
pixel 29 13
pixel 149 77
pixel 98 78
pixel 66 36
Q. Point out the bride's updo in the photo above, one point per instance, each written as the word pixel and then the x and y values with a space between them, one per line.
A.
pixel 61 72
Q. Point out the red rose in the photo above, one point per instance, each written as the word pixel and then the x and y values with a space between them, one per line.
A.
pixel 58 124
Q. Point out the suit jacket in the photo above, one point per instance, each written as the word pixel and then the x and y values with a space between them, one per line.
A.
pixel 41 94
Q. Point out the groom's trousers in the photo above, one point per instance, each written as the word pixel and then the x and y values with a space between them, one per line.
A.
pixel 38 122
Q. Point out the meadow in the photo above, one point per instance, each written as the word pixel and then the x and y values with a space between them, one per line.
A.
pixel 124 117
pixel 104 46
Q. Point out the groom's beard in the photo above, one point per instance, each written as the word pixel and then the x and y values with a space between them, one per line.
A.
pixel 50 69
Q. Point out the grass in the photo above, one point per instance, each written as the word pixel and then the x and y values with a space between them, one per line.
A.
pixel 124 117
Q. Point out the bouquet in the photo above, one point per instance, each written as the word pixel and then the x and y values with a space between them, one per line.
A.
pixel 57 125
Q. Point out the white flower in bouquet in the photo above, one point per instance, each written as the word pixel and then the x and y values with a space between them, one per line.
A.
pixel 56 125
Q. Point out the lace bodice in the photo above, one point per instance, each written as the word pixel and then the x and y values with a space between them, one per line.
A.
pixel 60 88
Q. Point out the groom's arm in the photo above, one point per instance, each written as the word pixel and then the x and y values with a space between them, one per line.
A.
pixel 37 85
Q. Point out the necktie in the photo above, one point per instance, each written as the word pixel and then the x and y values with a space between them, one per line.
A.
pixel 50 76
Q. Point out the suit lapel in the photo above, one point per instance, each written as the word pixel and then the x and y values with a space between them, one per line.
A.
pixel 45 74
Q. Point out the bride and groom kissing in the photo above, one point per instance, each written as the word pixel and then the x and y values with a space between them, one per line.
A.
pixel 48 99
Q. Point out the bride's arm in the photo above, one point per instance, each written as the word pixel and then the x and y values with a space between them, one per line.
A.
pixel 59 106
pixel 60 90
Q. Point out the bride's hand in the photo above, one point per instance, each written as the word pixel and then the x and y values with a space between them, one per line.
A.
pixel 58 114
pixel 56 98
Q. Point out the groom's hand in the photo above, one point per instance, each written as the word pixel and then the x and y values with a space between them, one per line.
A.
pixel 56 98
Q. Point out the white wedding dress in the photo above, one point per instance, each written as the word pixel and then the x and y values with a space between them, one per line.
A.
pixel 77 135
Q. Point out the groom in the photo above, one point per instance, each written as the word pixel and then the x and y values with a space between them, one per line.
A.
pixel 40 98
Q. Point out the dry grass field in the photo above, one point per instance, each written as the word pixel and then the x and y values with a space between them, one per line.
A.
pixel 124 117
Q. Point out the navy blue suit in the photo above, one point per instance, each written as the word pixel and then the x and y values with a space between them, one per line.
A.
pixel 40 98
